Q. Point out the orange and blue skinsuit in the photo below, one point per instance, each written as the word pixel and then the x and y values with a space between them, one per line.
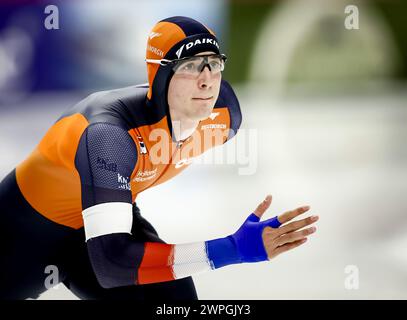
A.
pixel 85 174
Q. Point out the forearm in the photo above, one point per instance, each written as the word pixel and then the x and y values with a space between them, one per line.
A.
pixel 182 260
pixel 118 260
pixel 166 262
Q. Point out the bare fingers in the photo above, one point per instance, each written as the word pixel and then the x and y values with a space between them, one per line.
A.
pixel 263 206
pixel 296 225
pixel 289 215
pixel 294 236
pixel 288 246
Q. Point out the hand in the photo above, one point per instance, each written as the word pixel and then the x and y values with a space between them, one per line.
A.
pixel 257 240
pixel 286 237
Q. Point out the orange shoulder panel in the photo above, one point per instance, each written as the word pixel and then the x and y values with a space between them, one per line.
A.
pixel 48 178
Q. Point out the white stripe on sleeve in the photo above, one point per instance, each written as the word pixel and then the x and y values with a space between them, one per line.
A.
pixel 107 218
pixel 190 258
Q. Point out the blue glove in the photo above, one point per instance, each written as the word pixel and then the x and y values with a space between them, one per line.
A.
pixel 245 245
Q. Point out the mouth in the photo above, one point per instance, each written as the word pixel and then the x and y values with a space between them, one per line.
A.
pixel 203 99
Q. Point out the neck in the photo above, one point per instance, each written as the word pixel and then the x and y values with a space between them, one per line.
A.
pixel 183 128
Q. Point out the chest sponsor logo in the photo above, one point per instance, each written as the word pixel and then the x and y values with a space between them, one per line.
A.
pixel 145 175
pixel 213 115
pixel 213 126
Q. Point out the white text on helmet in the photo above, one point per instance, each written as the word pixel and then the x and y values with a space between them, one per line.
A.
pixel 191 44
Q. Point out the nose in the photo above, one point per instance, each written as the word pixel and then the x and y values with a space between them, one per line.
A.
pixel 205 79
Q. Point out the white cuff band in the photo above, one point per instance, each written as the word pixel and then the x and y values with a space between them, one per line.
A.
pixel 107 218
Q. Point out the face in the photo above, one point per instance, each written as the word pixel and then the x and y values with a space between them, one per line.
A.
pixel 193 99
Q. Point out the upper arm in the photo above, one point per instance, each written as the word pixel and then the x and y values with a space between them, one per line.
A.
pixel 105 159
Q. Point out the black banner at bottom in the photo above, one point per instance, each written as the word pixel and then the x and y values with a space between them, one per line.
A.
pixel 204 309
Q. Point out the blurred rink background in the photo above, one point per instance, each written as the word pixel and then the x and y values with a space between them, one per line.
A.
pixel 328 106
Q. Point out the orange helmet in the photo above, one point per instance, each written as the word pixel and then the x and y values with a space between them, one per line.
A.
pixel 174 38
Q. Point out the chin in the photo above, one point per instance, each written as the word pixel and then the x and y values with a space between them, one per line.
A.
pixel 202 113
pixel 205 113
